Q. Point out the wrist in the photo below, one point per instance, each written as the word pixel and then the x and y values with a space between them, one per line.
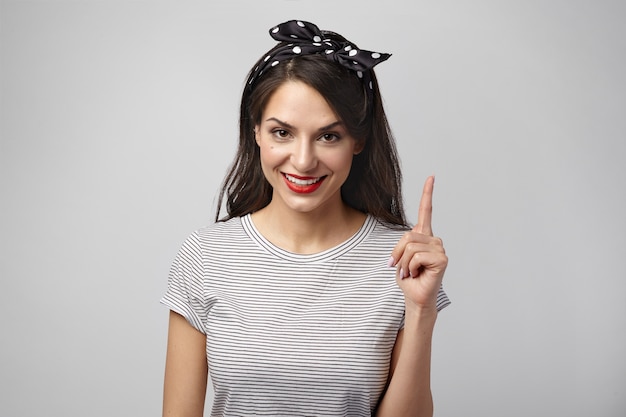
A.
pixel 420 308
pixel 420 313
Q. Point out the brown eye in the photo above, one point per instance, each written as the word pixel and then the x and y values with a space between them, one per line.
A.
pixel 280 133
pixel 329 138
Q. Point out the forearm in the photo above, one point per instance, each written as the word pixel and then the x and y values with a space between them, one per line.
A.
pixel 186 370
pixel 408 393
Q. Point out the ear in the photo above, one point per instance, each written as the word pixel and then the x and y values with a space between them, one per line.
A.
pixel 359 145
pixel 256 134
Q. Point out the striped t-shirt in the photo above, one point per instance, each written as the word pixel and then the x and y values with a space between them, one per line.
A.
pixel 291 334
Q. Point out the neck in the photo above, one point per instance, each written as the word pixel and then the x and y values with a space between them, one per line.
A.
pixel 309 232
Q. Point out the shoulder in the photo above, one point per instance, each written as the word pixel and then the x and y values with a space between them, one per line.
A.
pixel 376 238
pixel 386 231
pixel 204 238
pixel 219 229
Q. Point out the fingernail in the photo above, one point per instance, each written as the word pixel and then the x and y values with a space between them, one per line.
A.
pixel 401 273
pixel 391 262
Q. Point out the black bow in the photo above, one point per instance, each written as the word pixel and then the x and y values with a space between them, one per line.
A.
pixel 305 38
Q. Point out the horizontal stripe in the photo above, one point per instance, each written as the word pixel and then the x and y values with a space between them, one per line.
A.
pixel 291 334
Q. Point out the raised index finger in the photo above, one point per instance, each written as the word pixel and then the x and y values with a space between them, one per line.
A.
pixel 425 213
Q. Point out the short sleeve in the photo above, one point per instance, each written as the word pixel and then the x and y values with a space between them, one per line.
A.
pixel 442 299
pixel 442 302
pixel 184 294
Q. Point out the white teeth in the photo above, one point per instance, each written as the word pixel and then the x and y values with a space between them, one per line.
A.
pixel 302 182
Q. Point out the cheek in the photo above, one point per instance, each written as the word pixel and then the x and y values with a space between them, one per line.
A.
pixel 340 161
pixel 270 154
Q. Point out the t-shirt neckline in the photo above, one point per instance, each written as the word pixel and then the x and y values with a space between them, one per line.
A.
pixel 330 253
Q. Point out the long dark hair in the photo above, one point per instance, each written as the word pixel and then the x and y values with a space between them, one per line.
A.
pixel 374 183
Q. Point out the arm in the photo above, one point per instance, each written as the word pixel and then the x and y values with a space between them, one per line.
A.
pixel 420 262
pixel 408 392
pixel 186 370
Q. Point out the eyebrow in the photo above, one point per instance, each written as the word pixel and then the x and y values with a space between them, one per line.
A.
pixel 287 125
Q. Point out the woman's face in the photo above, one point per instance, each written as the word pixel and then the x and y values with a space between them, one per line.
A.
pixel 306 151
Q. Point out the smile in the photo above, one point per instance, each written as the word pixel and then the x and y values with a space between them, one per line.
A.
pixel 302 181
pixel 303 185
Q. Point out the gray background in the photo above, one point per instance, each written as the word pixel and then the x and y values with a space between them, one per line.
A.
pixel 119 118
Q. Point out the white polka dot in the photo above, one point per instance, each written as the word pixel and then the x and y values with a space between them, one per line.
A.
pixel 347 48
pixel 316 38
pixel 294 36
pixel 329 51
pixel 317 44
pixel 296 50
pixel 275 30
pixel 370 85
pixel 353 52
pixel 300 24
pixel 274 63
pixel 375 55
pixel 266 58
pixel 355 63
pixel 360 74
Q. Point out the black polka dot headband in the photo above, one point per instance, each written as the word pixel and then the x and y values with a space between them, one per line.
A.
pixel 305 38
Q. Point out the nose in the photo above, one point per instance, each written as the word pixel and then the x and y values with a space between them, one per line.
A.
pixel 304 157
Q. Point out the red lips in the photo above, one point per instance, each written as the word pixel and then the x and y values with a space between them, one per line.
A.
pixel 303 185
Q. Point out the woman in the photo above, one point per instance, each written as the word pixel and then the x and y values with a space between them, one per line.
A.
pixel 312 296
